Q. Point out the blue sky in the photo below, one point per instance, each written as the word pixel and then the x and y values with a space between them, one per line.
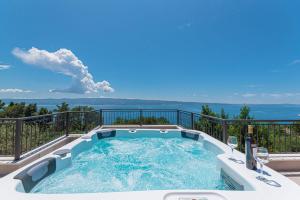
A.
pixel 191 50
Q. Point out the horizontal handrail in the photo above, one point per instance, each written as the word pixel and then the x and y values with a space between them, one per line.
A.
pixel 8 119
pixel 262 120
pixel 47 115
pixel 137 110
pixel 212 117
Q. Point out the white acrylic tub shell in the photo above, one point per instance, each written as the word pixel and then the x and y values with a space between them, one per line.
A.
pixel 12 189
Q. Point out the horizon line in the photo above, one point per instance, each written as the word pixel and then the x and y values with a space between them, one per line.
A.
pixel 141 99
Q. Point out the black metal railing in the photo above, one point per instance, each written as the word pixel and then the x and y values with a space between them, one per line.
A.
pixel 279 136
pixel 139 116
pixel 19 136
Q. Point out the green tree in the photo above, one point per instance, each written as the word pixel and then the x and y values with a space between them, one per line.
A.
pixel 2 104
pixel 44 111
pixel 245 113
pixel 206 110
pixel 82 108
pixel 205 124
pixel 15 110
pixel 30 110
pixel 223 114
pixel 240 128
pixel 2 113
pixel 63 107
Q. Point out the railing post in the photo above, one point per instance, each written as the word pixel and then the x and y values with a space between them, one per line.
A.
pixel 192 122
pixel 224 131
pixel 18 139
pixel 141 117
pixel 178 115
pixel 101 119
pixel 67 123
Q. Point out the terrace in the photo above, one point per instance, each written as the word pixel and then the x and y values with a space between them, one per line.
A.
pixel 29 145
pixel 23 140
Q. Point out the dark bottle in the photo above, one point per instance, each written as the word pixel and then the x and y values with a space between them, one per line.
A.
pixel 249 145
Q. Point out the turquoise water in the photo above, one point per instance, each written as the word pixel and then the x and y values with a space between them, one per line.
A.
pixel 137 164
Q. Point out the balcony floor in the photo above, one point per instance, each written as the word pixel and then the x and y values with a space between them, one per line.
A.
pixel 296 179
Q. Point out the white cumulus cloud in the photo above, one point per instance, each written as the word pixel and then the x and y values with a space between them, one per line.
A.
pixel 65 62
pixel 14 90
pixel 4 66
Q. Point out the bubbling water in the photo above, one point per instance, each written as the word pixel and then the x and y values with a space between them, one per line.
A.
pixel 137 164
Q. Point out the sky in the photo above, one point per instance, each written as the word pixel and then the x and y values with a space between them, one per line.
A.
pixel 223 51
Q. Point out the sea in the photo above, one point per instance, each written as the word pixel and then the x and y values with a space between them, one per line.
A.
pixel 258 111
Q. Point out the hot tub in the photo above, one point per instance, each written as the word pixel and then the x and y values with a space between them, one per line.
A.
pixel 154 163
